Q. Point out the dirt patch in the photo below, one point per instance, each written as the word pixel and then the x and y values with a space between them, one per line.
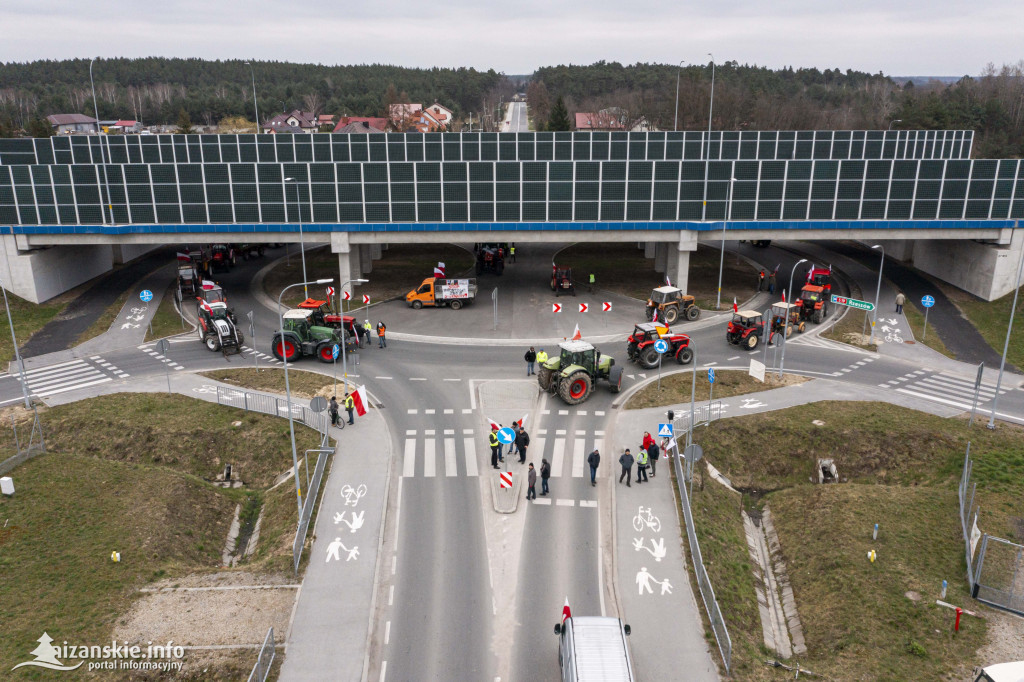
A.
pixel 1005 640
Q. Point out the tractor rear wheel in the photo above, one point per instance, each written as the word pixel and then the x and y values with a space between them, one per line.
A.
pixel 282 348
pixel 325 351
pixel 684 356
pixel 817 317
pixel 801 327
pixel 615 379
pixel 692 313
pixel 212 343
pixel 456 305
pixel 544 378
pixel 241 339
pixel 576 387
pixel 649 313
pixel 789 331
pixel 648 357
pixel 750 343
pixel 671 314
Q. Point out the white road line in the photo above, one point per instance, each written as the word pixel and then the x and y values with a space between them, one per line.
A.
pixel 577 457
pixel 44 394
pixel 410 432
pixel 409 464
pixel 449 411
pixel 467 432
pixel 735 357
pixel 449 432
pixel 429 411
pixel 545 411
pixel 428 432
pixel 12 400
pixel 387 632
pixel 563 413
pixel 450 468
pixel 429 465
pixel 543 500
pixel 933 398
pixel 383 378
pixel 588 503
pixel 710 364
pixel 938 385
pixel 557 457
pixel 581 413
pixel 53 380
pixel 33 375
pixel 598 413
pixel 559 432
pixel 450 379
pixel 565 503
pixel 391 596
pixel 581 433
pixel 417 379
pixel 37 370
pixel 467 410
pixel 413 411
pixel 469 446
pixel 599 433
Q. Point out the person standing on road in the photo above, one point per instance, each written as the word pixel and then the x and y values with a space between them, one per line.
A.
pixel 900 300
pixel 367 328
pixel 593 460
pixel 626 460
pixel 350 404
pixel 653 453
pixel 381 330
pixel 760 281
pixel 641 466
pixel 531 358
pixel 495 444
pixel 512 253
pixel 545 474
pixel 522 442
pixel 333 410
pixel 542 357
pixel 592 281
pixel 771 283
pixel 531 478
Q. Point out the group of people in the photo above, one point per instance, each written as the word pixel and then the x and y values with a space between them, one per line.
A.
pixel 519 447
pixel 646 458
pixel 366 328
pixel 768 286
pixel 333 408
pixel 534 358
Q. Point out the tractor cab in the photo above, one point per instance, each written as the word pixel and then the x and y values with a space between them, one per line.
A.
pixel 222 256
pixel 821 277
pixel 669 303
pixel 745 329
pixel 579 353
pixel 561 280
pixel 217 311
pixel 325 317
pixel 211 293
pixel 299 321
pixel 780 312
pixel 648 331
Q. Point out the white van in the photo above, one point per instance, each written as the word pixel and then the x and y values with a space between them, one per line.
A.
pixel 593 649
pixel 1002 672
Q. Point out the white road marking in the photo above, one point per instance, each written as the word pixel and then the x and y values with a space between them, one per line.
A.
pixel 469 446
pixel 467 410
pixel 565 503
pixel 557 457
pixel 598 413
pixel 43 394
pixel 542 500
pixel 417 378
pixel 409 465
pixel 581 433
pixel 559 432
pixel 467 432
pixel 449 432
pixel 449 379
pixel 449 457
pixel 577 457
pixel 387 633
pixel 563 413
pixel 581 413
pixel 429 465
pixel 428 432
pixel 588 503
pixel 410 432
pixel 391 596
pixel 933 398
pixel 383 378
pixel 429 411
pixel 412 411
pixel 449 411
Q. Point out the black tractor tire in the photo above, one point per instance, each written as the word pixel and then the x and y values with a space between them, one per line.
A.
pixel 615 379
pixel 576 387
pixel 671 314
pixel 732 338
pixel 544 378
pixel 241 339
pixel 684 356
pixel 456 305
pixel 751 342
pixel 648 357
pixel 692 313
pixel 649 313
pixel 817 317
pixel 278 349
pixel 212 342
pixel 324 352
pixel 801 327
pixel 416 305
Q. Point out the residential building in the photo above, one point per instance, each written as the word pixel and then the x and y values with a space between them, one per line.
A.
pixel 357 127
pixel 379 124
pixel 124 126
pixel 304 121
pixel 325 120
pixel 601 120
pixel 442 114
pixel 68 124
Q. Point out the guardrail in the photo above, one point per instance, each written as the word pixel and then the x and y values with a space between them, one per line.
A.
pixel 269 404
pixel 312 488
pixel 703 414
pixel 265 660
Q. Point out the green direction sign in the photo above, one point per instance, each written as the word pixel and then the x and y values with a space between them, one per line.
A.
pixel 853 303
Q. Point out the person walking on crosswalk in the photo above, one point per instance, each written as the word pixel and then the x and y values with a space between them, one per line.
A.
pixel 545 474
pixel 495 444
pixel 594 459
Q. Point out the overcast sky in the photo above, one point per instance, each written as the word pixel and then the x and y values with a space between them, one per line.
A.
pixel 898 37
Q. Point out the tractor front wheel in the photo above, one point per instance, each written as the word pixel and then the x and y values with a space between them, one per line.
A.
pixel 212 343
pixel 544 378
pixel 648 357
pixel 801 327
pixel 692 313
pixel 751 341
pixel 325 352
pixel 283 348
pixel 671 314
pixel 576 388
pixel 649 313
pixel 817 317
pixel 684 356
pixel 615 379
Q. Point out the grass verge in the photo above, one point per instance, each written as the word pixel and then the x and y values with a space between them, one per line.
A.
pixel 28 318
pixel 676 388
pixel 166 320
pixel 915 318
pixel 899 469
pixel 401 269
pixel 106 318
pixel 630 274
pixel 303 384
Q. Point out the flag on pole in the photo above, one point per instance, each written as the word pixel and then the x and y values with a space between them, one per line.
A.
pixel 809 271
pixel 566 612
pixel 735 305
pixel 576 336
pixel 359 398
pixel 783 295
pixel 668 281
pixel 439 270
pixel 205 306
pixel 494 425
pixel 183 256
pixel 207 284
pixel 523 420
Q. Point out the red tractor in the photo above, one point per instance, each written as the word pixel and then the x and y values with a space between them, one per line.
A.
pixel 323 316
pixel 561 280
pixel 640 345
pixel 491 257
pixel 745 329
pixel 821 277
pixel 223 257
pixel 813 303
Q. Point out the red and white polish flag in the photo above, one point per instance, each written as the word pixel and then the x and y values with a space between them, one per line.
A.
pixel 359 398
pixel 566 612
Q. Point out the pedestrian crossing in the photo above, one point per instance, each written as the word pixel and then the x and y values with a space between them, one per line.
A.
pixel 436 453
pixel 818 342
pixel 167 361
pixel 855 366
pixel 942 387
pixel 70 376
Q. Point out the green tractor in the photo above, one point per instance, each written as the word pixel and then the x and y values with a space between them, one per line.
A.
pixel 300 337
pixel 573 373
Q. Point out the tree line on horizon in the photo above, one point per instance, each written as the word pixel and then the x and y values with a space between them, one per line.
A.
pixel 159 90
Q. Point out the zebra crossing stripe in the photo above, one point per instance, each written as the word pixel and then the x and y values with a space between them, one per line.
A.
pixel 577 458
pixel 557 457
pixel 449 457
pixel 409 463
pixel 469 445
pixel 429 464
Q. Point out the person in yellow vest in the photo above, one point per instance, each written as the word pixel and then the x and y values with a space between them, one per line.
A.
pixel 493 440
pixel 591 281
pixel 542 357
pixel 512 253
pixel 350 405
pixel 641 466
pixel 367 328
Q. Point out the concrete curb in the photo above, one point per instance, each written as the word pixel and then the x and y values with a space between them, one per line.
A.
pixel 378 568
pixel 500 499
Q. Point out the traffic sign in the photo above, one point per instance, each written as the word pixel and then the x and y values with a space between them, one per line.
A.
pixel 693 453
pixel 506 436
pixel 853 303
pixel 661 345
pixel 346 296
pixel 556 307
pixel 318 404
pixel 162 346
pixel 366 300
pixel 584 307
pixel 330 292
pixel 606 307
pixel 711 375
pixel 335 350
pixel 506 479
pixel 928 301
pixel 664 430
pixel 146 295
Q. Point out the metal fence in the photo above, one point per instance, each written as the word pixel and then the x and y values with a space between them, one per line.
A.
pixel 703 414
pixel 268 404
pixel 265 660
pixel 707 592
pixel 996 575
pixel 312 488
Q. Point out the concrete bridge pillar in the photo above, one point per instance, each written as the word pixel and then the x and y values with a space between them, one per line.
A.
pixel 660 255
pixel 366 257
pixel 650 249
pixel 349 261
pixel 678 259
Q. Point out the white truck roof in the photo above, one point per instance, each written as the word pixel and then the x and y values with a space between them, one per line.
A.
pixel 600 650
pixel 1003 672
pixel 667 290
pixel 576 346
pixel 297 314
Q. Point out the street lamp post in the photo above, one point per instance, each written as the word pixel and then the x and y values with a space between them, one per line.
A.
pixel 782 362
pixel 106 178
pixel 302 244
pixel 254 104
pixel 721 256
pixel 675 120
pixel 287 388
pixel 344 362
pixel 895 120
pixel 1009 329
pixel 878 291
pixel 707 159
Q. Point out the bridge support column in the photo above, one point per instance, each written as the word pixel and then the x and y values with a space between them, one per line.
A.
pixel 348 259
pixel 366 257
pixel 678 259
pixel 650 249
pixel 660 255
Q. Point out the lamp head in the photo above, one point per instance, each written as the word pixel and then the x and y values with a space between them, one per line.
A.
pixel 877 246
pixel 289 179
pixel 328 280
pixel 361 281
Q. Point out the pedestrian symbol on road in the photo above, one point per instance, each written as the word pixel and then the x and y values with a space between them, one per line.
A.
pixel 146 296
pixel 711 375
pixel 332 551
pixel 664 430
pixel 506 435
pixel 928 301
pixel 644 580
pixel 661 345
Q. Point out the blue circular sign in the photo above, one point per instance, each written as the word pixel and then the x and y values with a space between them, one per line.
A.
pixel 506 435
pixel 927 301
pixel 146 295
pixel 661 345
pixel 335 350
pixel 711 375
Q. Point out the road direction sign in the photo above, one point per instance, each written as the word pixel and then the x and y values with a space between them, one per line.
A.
pixel 584 307
pixel 506 436
pixel 928 301
pixel 664 430
pixel 330 292
pixel 606 307
pixel 711 375
pixel 162 346
pixel 146 296
pixel 346 296
pixel 853 303
pixel 506 479
pixel 661 345
pixel 556 307
pixel 318 404
pixel 335 351
pixel 366 300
